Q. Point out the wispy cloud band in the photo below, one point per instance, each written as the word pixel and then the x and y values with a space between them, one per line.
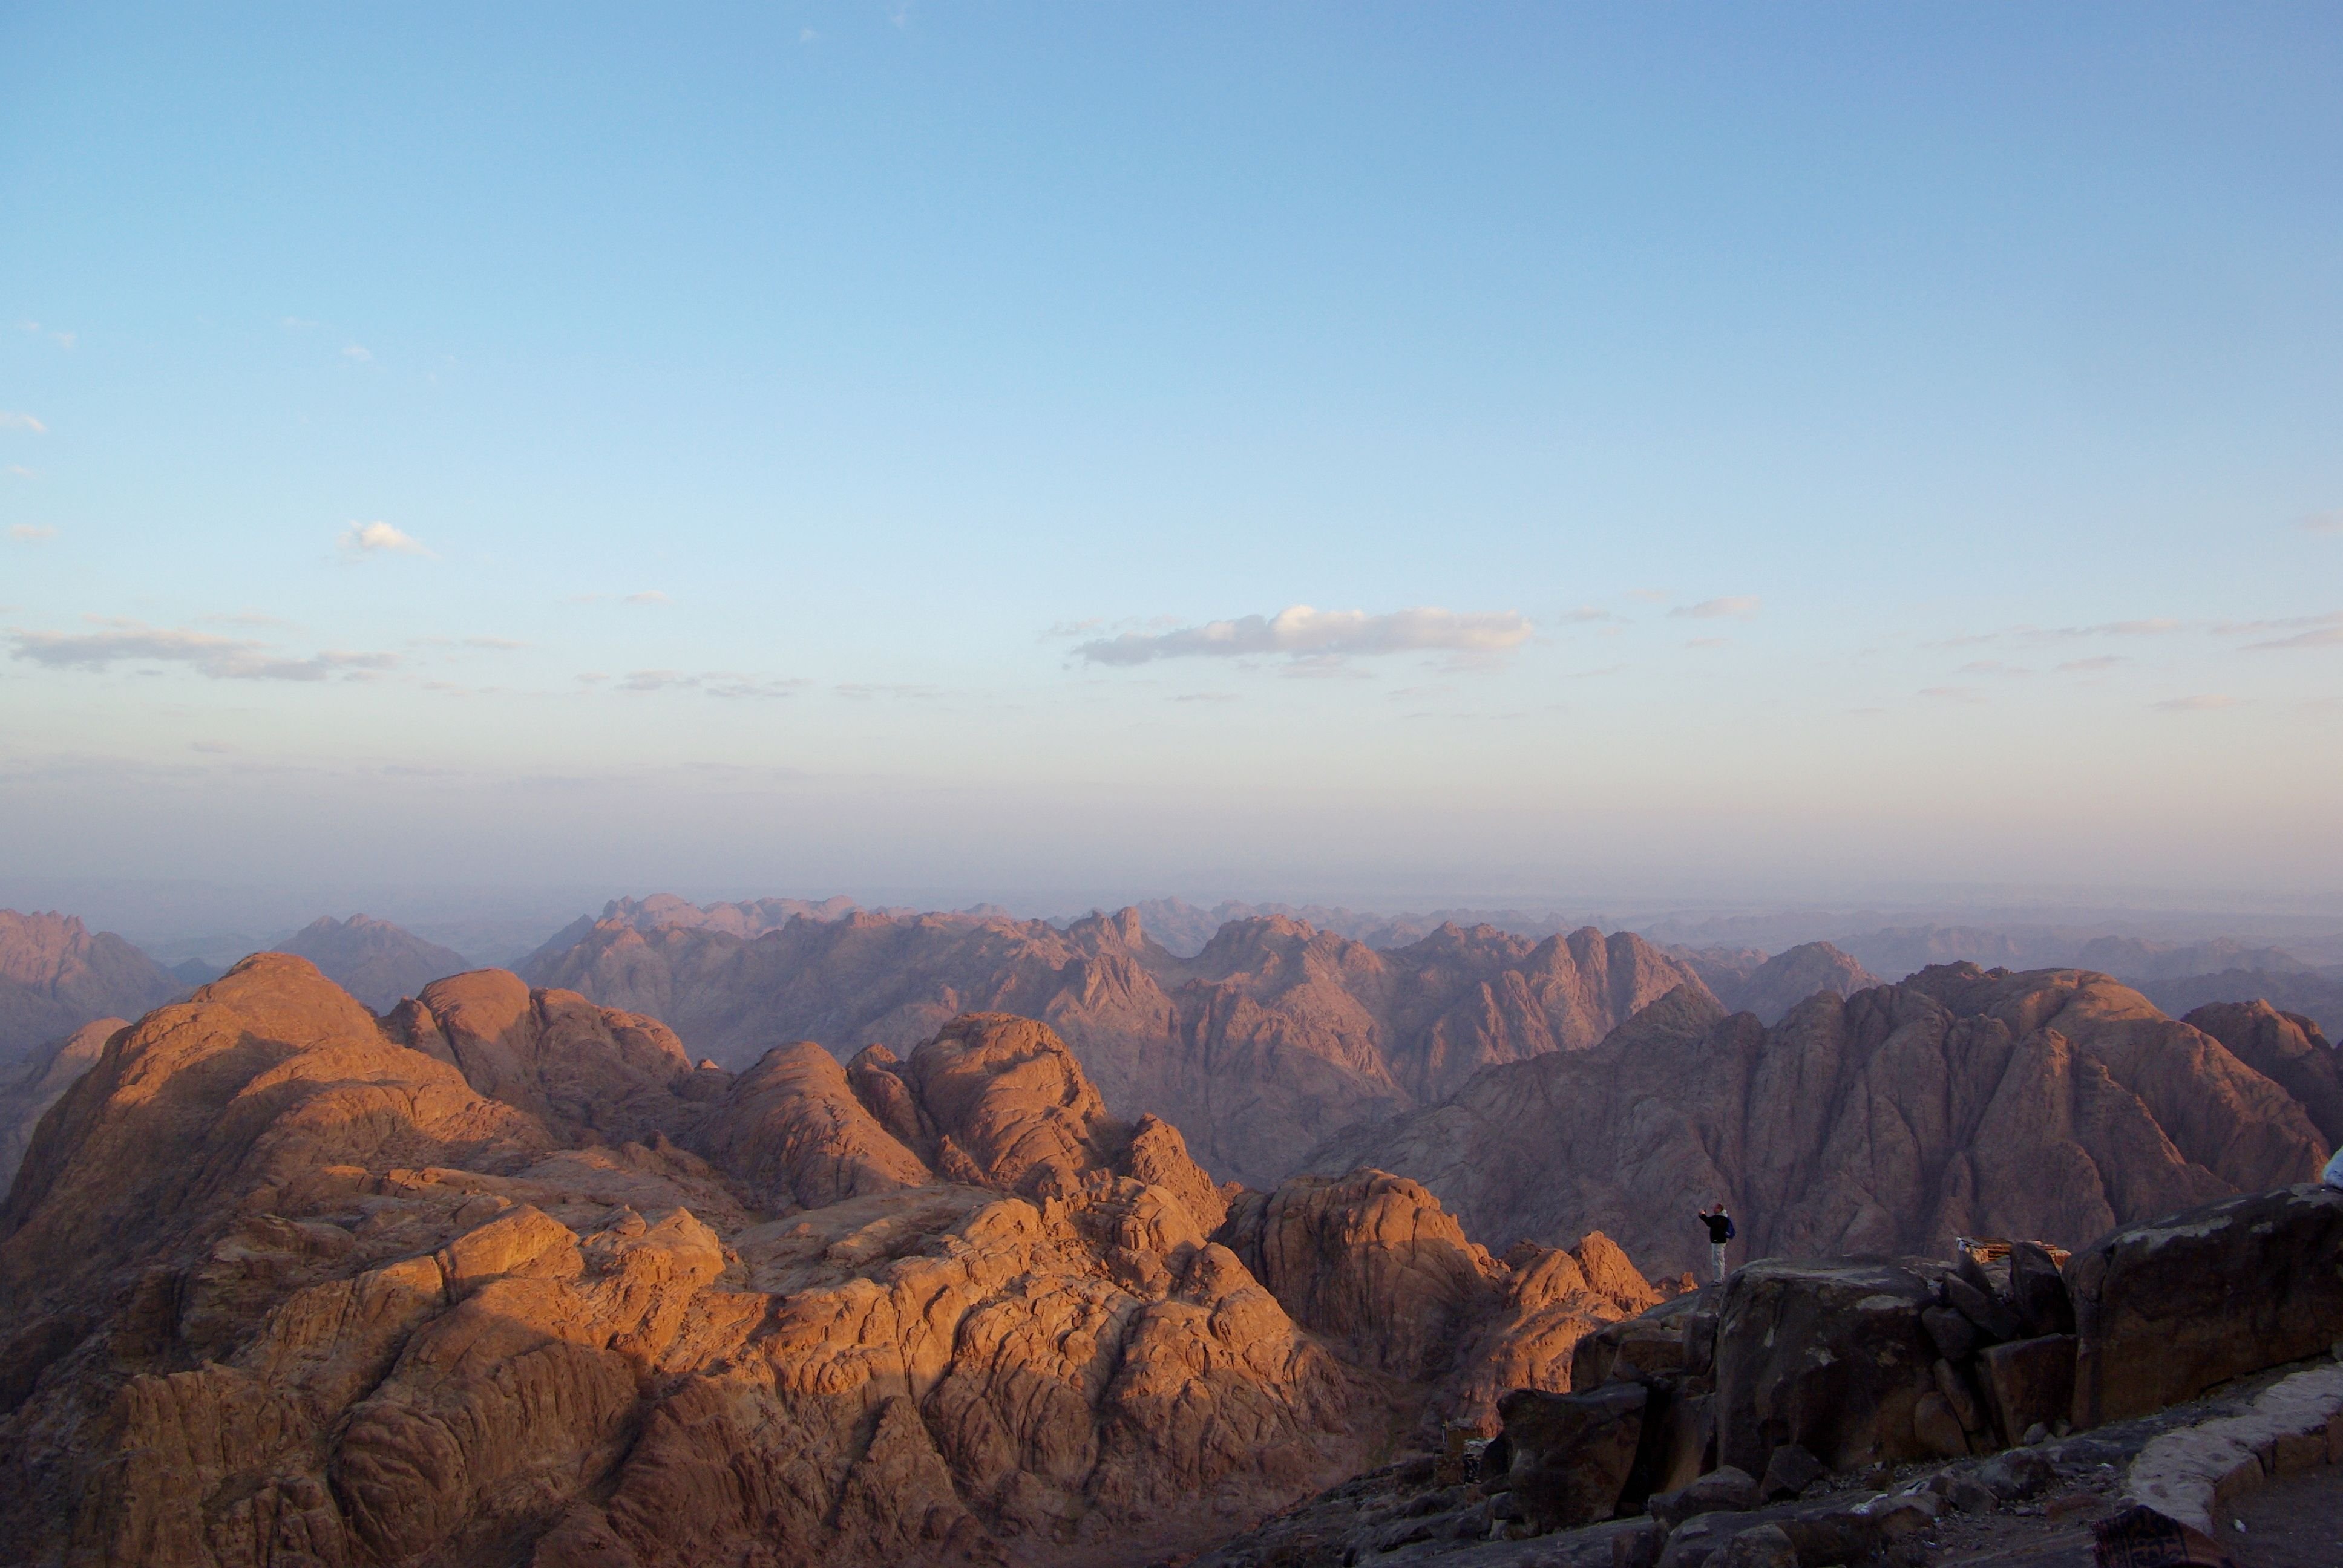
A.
pixel 206 653
pixel 1300 632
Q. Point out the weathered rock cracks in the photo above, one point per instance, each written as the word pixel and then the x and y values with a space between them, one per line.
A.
pixel 504 1277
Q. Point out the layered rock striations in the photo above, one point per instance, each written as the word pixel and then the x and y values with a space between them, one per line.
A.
pixel 505 1278
pixel 1269 1038
pixel 56 975
pixel 374 960
pixel 2052 1104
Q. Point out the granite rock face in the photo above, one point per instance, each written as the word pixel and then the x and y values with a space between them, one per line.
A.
pixel 2056 1105
pixel 2165 1310
pixel 1369 1261
pixel 2286 1047
pixel 503 1278
pixel 1572 1453
pixel 791 1129
pixel 1272 1036
pixel 1830 1356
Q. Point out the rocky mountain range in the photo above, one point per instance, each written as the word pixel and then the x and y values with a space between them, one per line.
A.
pixel 1271 1039
pixel 375 961
pixel 2052 1104
pixel 1745 979
pixel 2314 994
pixel 505 1277
pixel 56 975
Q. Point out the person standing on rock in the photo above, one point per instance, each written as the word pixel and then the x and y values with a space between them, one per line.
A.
pixel 1720 1232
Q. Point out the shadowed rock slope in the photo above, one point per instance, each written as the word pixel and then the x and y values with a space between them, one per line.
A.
pixel 505 1278
pixel 41 1084
pixel 56 975
pixel 2054 1104
pixel 1271 1039
pixel 374 960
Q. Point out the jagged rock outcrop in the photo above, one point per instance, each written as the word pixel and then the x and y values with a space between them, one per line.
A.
pixel 374 960
pixel 2055 1104
pixel 56 975
pixel 43 1081
pixel 2286 1047
pixel 579 1068
pixel 1270 1038
pixel 1369 1261
pixel 504 1279
pixel 791 1129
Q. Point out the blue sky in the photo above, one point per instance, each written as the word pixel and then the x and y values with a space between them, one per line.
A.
pixel 809 446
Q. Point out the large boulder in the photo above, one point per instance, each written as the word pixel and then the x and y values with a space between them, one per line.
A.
pixel 792 1129
pixel 1828 1355
pixel 2029 1383
pixel 2165 1310
pixel 1010 1106
pixel 1572 1452
pixel 1371 1261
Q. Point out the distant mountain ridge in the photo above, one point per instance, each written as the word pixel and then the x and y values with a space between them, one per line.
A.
pixel 1961 1101
pixel 56 974
pixel 1747 981
pixel 374 960
pixel 1266 1041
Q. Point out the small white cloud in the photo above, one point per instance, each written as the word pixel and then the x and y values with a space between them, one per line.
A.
pixel 648 596
pixel 64 340
pixel 21 472
pixel 31 533
pixel 11 420
pixel 1733 607
pixel 353 351
pixel 1649 595
pixel 1304 634
pixel 497 644
pixel 2090 666
pixel 1950 694
pixel 1587 612
pixel 807 34
pixel 2324 523
pixel 379 539
pixel 2207 703
pixel 296 322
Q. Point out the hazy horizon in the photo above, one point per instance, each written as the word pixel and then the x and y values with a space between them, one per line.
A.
pixel 1399 457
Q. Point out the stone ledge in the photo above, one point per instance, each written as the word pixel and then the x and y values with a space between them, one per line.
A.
pixel 2294 1424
